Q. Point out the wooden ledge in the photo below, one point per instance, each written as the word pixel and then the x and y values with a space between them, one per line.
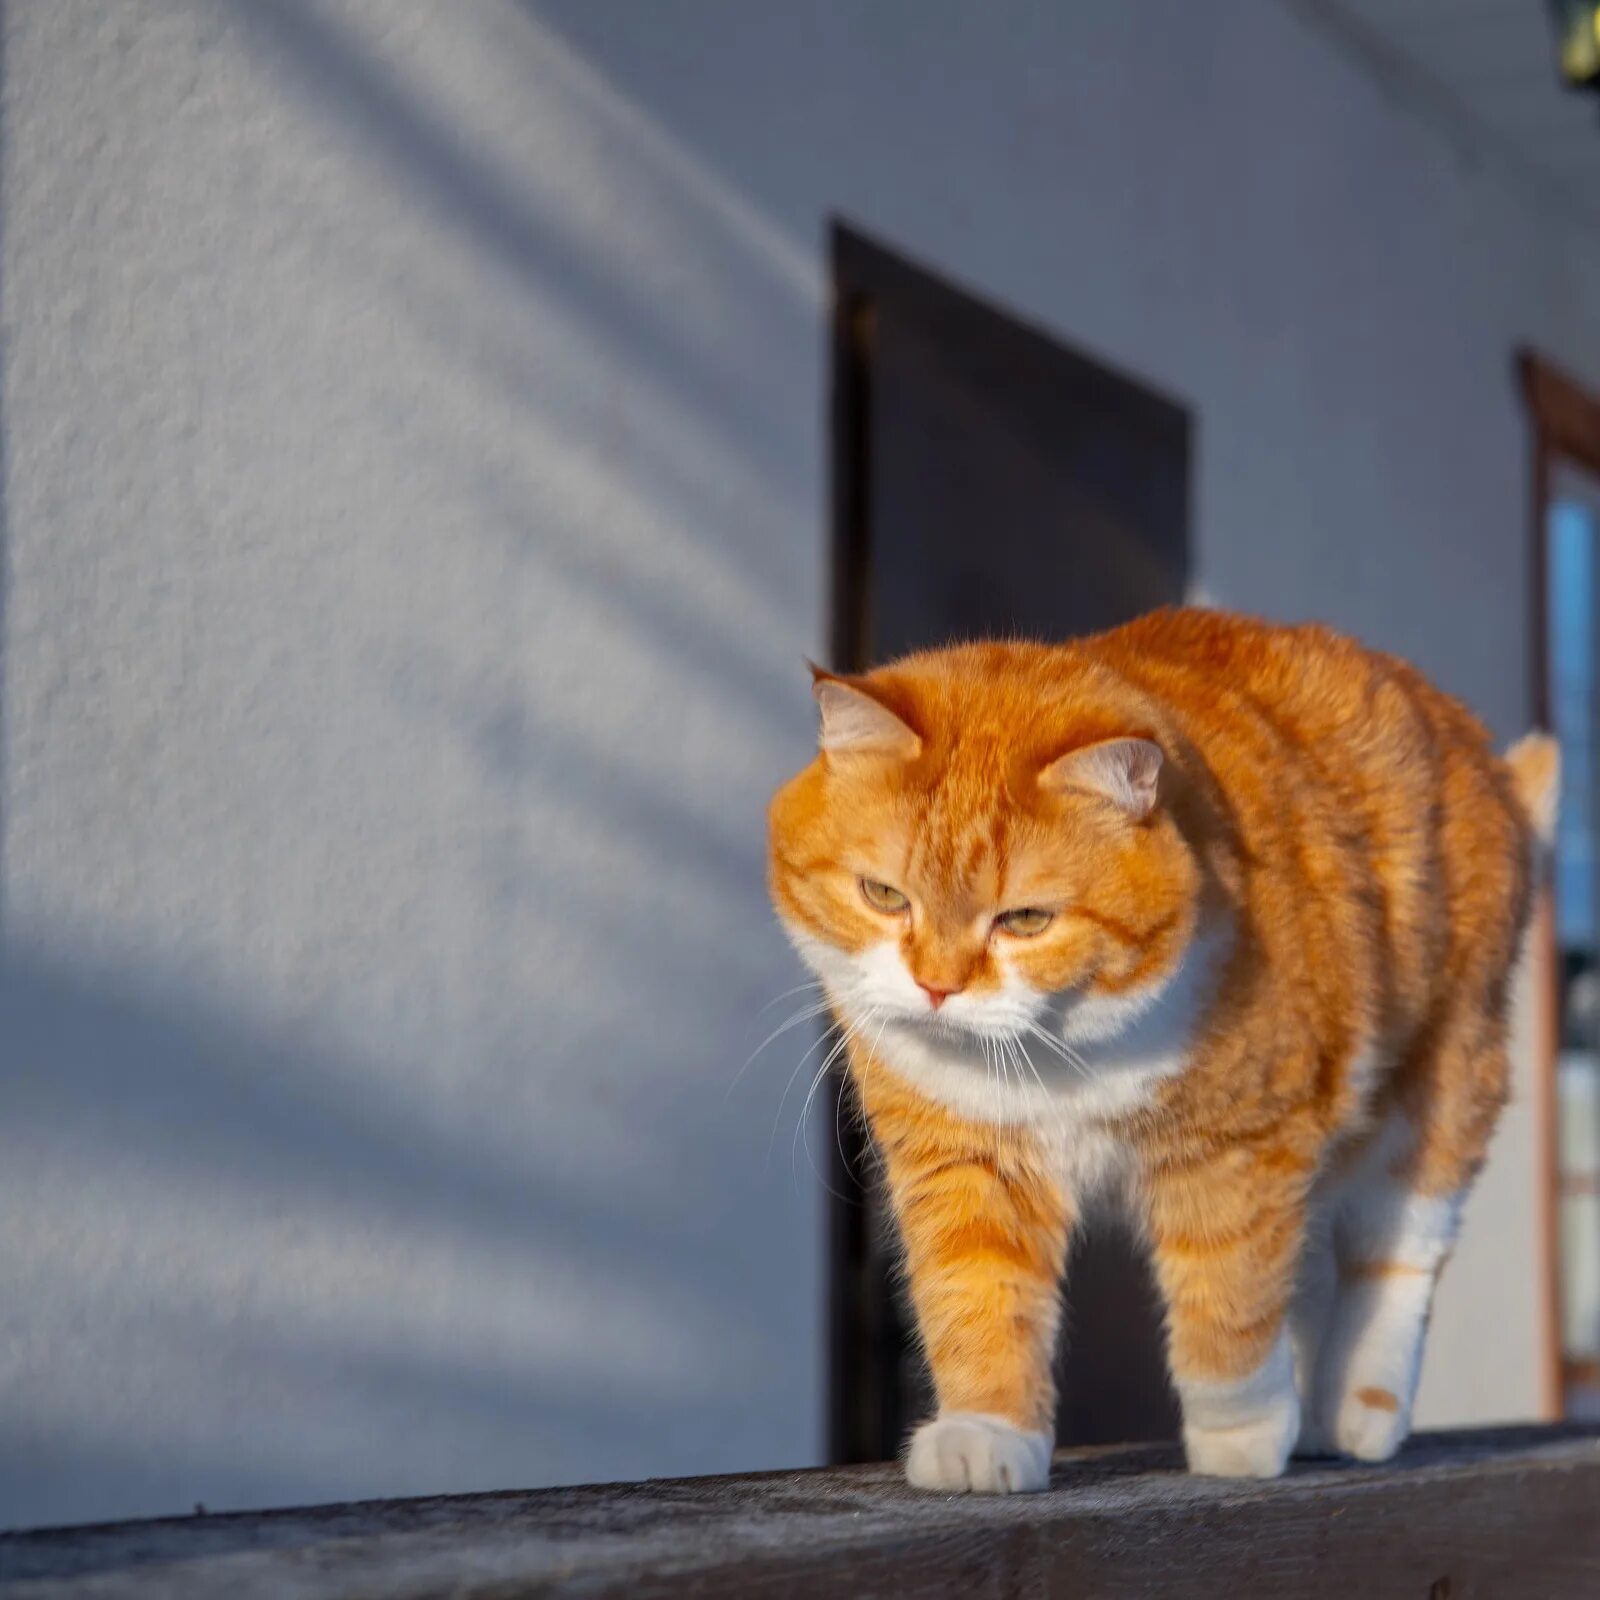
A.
pixel 1512 1514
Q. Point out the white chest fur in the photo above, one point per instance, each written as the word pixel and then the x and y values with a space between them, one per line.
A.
pixel 1104 1061
pixel 1073 1111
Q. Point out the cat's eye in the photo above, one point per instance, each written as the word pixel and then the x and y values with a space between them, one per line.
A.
pixel 881 897
pixel 1024 922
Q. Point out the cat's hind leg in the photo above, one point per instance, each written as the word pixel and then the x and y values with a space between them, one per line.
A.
pixel 1391 1238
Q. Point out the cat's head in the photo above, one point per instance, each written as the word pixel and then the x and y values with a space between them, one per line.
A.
pixel 985 841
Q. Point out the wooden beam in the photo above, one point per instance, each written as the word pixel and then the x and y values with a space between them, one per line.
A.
pixel 1507 1514
pixel 1565 413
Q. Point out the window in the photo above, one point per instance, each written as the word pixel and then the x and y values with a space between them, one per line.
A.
pixel 1572 526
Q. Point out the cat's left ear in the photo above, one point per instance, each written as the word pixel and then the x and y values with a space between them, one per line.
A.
pixel 1126 772
pixel 853 722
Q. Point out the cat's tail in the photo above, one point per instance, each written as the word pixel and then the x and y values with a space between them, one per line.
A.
pixel 1535 763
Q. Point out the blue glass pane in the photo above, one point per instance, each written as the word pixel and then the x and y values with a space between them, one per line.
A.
pixel 1572 555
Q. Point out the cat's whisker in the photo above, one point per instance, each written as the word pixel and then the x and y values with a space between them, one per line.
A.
pixel 1049 1099
pixel 850 1030
pixel 1008 1042
pixel 871 1051
pixel 821 1072
pixel 805 1014
pixel 1013 1044
pixel 835 1002
pixel 866 1068
pixel 1080 1063
pixel 802 1136
pixel 1004 1051
pixel 1063 1052
pixel 778 999
pixel 1075 1060
pixel 1038 1032
pixel 988 1069
pixel 1004 1056
pixel 816 1044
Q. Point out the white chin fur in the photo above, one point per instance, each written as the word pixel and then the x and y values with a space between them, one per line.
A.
pixel 1101 1057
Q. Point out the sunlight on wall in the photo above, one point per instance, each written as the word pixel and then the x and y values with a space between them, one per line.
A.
pixel 414 523
pixel 385 889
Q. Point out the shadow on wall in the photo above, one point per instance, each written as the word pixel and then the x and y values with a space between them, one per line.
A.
pixel 362 1128
pixel 707 342
pixel 319 1272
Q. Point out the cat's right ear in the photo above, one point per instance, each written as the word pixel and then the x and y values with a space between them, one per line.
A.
pixel 1126 772
pixel 853 722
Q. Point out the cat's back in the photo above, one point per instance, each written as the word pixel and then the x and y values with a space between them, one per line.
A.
pixel 1314 700
pixel 1376 790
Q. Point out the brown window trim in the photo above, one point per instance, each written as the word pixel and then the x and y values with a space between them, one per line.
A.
pixel 1565 426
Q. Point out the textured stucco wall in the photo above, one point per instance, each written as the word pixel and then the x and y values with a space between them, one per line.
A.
pixel 413 508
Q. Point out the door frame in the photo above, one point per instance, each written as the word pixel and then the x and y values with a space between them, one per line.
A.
pixel 863 1348
pixel 1564 426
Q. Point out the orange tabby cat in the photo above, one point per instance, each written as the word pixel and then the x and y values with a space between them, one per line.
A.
pixel 1206 917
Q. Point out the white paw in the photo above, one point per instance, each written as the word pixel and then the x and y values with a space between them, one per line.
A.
pixel 1371 1425
pixel 1243 1428
pixel 971 1452
pixel 1258 1449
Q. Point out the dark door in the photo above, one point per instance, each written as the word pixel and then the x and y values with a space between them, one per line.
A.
pixel 987 480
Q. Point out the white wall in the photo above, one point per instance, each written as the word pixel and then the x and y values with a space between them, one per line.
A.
pixel 413 518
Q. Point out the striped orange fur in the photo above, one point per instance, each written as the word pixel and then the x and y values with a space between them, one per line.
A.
pixel 1208 918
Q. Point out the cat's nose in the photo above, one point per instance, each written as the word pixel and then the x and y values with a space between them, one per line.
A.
pixel 936 995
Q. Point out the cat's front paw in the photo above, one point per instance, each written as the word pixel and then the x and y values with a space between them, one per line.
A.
pixel 1256 1449
pixel 971 1452
pixel 1244 1428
